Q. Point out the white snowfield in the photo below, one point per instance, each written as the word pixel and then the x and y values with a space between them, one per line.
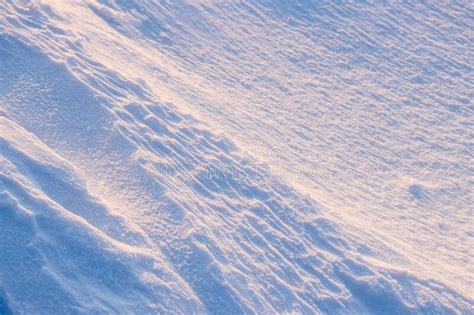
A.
pixel 236 157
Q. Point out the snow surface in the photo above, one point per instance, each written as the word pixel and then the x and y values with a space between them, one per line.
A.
pixel 266 157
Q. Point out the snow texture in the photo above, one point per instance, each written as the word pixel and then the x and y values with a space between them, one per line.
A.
pixel 236 157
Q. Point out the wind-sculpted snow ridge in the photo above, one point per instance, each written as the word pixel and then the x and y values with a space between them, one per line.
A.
pixel 122 192
pixel 62 251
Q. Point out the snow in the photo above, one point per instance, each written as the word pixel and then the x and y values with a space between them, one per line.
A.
pixel 236 157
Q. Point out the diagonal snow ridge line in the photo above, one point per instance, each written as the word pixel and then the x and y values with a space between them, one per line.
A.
pixel 70 244
pixel 58 178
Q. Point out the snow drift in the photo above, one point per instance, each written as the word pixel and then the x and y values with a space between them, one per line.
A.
pixel 274 157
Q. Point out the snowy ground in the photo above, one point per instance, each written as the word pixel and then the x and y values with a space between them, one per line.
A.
pixel 233 157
